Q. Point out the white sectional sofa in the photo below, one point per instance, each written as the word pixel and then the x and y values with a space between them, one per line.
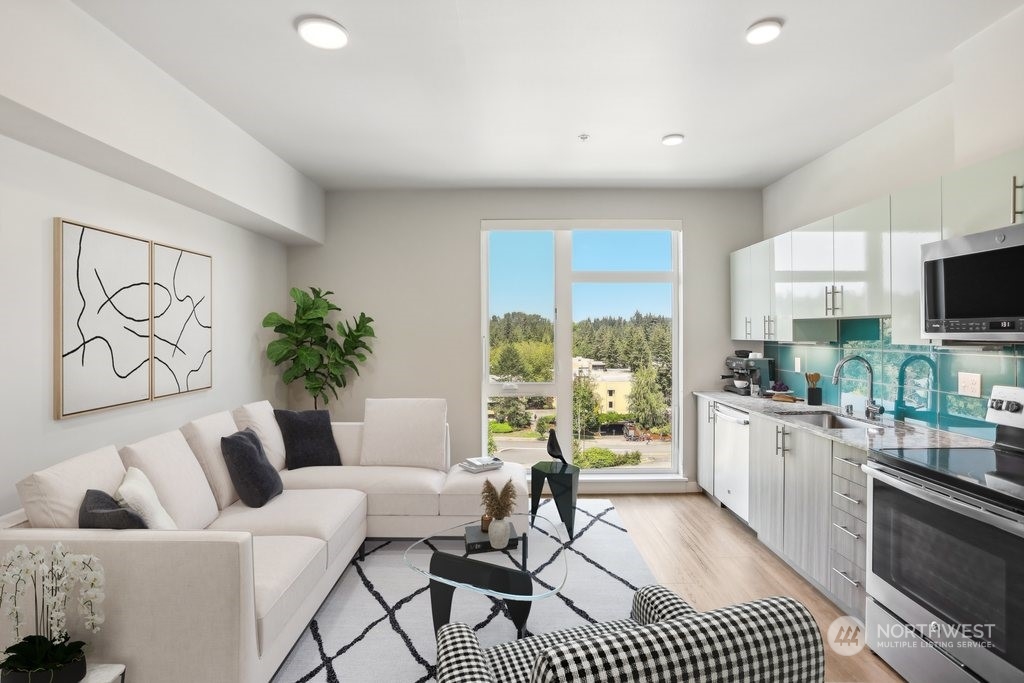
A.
pixel 225 597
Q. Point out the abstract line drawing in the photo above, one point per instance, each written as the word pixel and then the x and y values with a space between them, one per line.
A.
pixel 101 319
pixel 182 321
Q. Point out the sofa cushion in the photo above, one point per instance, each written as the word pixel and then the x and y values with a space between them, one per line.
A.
pixel 180 484
pixel 285 571
pixel 389 490
pixel 52 497
pixel 203 437
pixel 405 432
pixel 259 417
pixel 308 438
pixel 252 475
pixel 332 515
pixel 349 437
pixel 100 511
pixel 461 492
pixel 138 493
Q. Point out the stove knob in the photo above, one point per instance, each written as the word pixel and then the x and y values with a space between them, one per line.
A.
pixel 996 404
pixel 1014 406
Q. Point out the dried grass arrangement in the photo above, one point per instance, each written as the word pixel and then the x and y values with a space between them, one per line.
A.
pixel 498 505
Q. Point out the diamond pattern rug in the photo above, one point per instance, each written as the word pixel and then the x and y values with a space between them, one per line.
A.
pixel 376 623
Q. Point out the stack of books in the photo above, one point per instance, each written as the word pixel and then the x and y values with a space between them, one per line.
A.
pixel 477 540
pixel 481 464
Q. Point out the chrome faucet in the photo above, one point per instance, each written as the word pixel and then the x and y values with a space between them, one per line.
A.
pixel 871 410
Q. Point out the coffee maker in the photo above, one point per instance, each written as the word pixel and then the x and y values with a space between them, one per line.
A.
pixel 759 371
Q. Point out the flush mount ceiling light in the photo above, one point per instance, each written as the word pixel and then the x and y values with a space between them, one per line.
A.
pixel 672 139
pixel 322 32
pixel 764 31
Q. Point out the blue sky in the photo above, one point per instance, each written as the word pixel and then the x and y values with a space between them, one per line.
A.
pixel 522 272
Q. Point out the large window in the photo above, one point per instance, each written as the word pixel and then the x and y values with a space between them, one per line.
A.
pixel 580 336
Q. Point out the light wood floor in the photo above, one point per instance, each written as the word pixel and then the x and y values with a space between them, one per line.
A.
pixel 712 559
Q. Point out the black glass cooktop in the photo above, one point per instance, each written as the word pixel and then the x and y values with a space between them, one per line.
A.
pixel 995 474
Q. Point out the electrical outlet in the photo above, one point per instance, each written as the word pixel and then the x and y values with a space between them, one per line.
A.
pixel 969 384
pixel 796 364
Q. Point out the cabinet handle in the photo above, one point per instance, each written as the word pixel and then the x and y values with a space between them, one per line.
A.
pixel 828 309
pixel 1013 193
pixel 847 461
pixel 785 449
pixel 846 531
pixel 778 446
pixel 839 308
pixel 772 330
pixel 780 441
pixel 855 584
pixel 711 411
pixel 747 327
pixel 764 327
pixel 847 498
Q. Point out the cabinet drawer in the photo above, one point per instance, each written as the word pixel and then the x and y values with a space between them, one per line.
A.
pixel 849 537
pixel 849 497
pixel 846 463
pixel 846 583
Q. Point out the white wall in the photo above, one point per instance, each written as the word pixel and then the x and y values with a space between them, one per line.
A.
pixel 974 118
pixel 411 260
pixel 248 280
pixel 69 85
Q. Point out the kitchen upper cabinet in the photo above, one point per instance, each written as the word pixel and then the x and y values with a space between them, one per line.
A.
pixel 739 294
pixel 767 480
pixel 811 275
pixel 706 444
pixel 807 502
pixel 983 196
pixel 916 220
pixel 751 292
pixel 781 276
pixel 861 262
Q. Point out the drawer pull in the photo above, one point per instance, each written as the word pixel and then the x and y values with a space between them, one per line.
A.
pixel 847 498
pixel 855 584
pixel 845 530
pixel 847 461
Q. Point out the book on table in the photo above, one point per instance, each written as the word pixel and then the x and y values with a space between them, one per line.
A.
pixel 477 540
pixel 476 465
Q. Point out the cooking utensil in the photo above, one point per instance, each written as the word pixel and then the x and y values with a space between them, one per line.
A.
pixel 812 378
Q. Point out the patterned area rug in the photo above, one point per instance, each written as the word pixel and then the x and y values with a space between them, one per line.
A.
pixel 376 623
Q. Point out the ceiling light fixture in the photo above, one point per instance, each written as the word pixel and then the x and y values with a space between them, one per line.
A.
pixel 322 32
pixel 672 139
pixel 583 137
pixel 764 31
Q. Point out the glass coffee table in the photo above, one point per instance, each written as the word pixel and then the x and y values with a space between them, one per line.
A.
pixel 533 570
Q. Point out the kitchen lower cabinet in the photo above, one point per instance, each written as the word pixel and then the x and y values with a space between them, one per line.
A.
pixel 767 480
pixel 706 444
pixel 807 502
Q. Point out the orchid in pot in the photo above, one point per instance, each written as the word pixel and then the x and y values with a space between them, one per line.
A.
pixel 45 651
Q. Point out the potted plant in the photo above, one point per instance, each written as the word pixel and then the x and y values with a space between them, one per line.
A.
pixel 48 654
pixel 498 506
pixel 309 344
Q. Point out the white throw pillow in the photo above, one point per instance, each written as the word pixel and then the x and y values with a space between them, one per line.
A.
pixel 408 432
pixel 51 497
pixel 259 417
pixel 170 466
pixel 203 436
pixel 138 493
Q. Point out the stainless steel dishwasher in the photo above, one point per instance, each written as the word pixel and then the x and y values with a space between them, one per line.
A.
pixel 732 459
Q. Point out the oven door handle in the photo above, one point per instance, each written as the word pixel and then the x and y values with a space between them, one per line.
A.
pixel 946 501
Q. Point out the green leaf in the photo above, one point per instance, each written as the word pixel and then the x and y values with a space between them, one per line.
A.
pixel 295 371
pixel 301 299
pixel 309 357
pixel 274 319
pixel 280 350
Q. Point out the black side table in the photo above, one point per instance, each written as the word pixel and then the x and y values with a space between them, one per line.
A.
pixel 564 481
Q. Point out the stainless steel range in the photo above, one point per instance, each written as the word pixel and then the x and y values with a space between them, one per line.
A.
pixel 945 575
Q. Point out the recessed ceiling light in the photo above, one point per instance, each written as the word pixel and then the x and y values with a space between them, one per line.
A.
pixel 764 31
pixel 583 137
pixel 672 139
pixel 322 32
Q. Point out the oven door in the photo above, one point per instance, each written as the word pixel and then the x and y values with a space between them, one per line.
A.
pixel 951 567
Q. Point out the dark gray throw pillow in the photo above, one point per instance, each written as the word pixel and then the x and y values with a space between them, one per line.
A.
pixel 99 510
pixel 255 479
pixel 308 438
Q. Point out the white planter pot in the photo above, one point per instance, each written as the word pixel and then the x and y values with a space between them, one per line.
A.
pixel 498 533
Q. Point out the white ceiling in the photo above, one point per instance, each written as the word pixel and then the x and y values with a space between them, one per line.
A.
pixel 493 93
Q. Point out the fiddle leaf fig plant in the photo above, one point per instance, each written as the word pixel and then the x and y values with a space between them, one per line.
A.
pixel 316 352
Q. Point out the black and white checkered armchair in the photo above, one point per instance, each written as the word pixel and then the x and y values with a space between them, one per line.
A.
pixel 774 639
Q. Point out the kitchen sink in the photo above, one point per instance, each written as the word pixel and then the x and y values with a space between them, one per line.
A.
pixel 827 420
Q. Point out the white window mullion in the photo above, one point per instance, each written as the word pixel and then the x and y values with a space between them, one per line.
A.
pixel 563 340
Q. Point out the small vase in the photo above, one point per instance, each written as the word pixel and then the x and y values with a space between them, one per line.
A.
pixel 71 673
pixel 485 522
pixel 498 532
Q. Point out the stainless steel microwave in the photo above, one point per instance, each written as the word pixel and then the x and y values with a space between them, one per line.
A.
pixel 970 288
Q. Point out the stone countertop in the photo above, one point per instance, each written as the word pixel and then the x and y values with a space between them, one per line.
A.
pixel 887 434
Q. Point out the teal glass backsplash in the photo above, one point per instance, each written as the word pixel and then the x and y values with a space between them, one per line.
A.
pixel 913 383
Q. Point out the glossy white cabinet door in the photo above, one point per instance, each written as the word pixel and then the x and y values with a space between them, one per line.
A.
pixel 761 289
pixel 916 220
pixel 861 261
pixel 981 197
pixel 812 269
pixel 739 294
pixel 782 287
